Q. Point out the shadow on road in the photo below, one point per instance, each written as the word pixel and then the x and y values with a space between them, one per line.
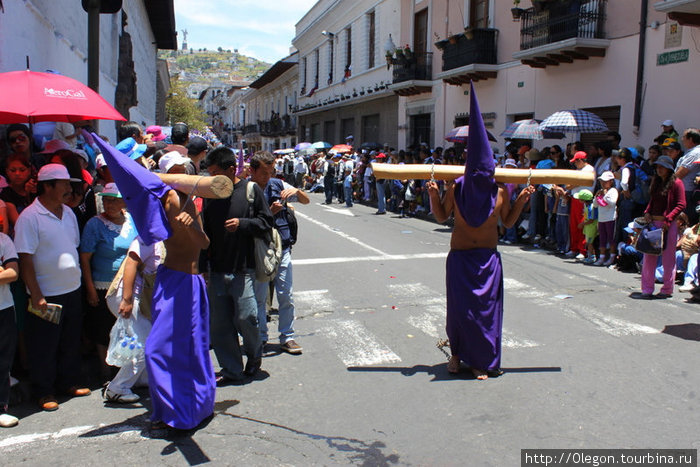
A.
pixel 687 331
pixel 365 453
pixel 440 373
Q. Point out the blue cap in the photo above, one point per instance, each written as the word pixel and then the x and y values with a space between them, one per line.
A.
pixel 634 152
pixel 131 148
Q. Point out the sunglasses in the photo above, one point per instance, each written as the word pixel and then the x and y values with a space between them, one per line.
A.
pixel 20 138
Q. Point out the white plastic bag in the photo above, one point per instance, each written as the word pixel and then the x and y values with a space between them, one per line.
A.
pixel 124 345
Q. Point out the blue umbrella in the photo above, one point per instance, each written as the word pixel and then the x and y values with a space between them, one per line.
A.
pixel 322 145
pixel 301 146
pixel 574 121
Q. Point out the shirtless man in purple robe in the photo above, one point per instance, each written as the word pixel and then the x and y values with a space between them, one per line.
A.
pixel 465 238
pixel 474 272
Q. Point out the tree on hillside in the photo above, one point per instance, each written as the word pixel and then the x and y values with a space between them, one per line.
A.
pixel 181 108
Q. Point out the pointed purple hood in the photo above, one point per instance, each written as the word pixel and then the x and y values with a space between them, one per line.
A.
pixel 141 190
pixel 476 191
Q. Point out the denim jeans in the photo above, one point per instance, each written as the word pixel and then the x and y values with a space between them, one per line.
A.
pixel 234 311
pixel 381 197
pixel 328 187
pixel 348 196
pixel 562 232
pixel 285 299
pixel 8 331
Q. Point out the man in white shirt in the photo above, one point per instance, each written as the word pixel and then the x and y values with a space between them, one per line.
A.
pixel 688 168
pixel 300 171
pixel 47 238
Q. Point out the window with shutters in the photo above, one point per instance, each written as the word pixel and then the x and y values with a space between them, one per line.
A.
pixel 371 18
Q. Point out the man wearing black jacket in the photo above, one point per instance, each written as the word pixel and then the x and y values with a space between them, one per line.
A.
pixel 232 224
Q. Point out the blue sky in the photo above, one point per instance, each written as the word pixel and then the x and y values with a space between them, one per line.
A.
pixel 262 29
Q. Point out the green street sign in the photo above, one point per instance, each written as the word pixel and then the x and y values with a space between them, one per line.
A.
pixel 676 56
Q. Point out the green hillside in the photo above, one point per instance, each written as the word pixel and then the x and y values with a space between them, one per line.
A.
pixel 213 65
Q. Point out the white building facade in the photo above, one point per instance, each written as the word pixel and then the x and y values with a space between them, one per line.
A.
pixel 343 75
pixel 53 34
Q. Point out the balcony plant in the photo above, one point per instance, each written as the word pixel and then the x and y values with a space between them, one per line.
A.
pixel 469 32
pixel 452 38
pixel 407 52
pixel 517 12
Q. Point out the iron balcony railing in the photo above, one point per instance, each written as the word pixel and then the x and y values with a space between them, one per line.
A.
pixel 481 48
pixel 561 20
pixel 250 129
pixel 285 125
pixel 416 67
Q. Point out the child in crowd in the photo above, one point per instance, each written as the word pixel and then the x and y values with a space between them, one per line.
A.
pixel 589 224
pixel 561 209
pixel 606 200
pixel 347 187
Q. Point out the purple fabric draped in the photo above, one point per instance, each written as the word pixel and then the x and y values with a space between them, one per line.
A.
pixel 180 372
pixel 476 191
pixel 475 306
pixel 141 190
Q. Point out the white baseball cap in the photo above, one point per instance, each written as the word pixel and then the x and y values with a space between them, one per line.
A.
pixel 606 176
pixel 55 172
pixel 171 159
pixel 667 123
pixel 110 190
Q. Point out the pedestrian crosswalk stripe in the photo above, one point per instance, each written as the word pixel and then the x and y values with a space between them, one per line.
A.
pixel 614 326
pixel 313 301
pixel 355 259
pixel 355 345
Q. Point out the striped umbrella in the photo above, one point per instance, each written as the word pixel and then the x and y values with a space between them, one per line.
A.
pixel 301 146
pixel 574 121
pixel 461 135
pixel 529 129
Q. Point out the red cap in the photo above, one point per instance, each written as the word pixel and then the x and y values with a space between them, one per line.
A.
pixel 381 155
pixel 580 155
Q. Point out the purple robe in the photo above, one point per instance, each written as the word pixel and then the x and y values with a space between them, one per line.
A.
pixel 180 372
pixel 475 277
pixel 475 306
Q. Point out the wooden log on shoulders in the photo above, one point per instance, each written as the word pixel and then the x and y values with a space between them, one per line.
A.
pixel 451 172
pixel 219 186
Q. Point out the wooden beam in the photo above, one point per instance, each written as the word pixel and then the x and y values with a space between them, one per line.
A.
pixel 547 61
pixel 686 19
pixel 532 64
pixel 591 51
pixel 575 55
pixel 561 58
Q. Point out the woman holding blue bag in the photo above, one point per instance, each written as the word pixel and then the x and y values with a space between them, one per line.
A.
pixel 667 201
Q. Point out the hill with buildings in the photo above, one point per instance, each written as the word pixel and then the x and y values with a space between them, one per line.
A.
pixel 203 68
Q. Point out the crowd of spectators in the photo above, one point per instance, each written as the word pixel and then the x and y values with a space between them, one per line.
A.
pixel 73 263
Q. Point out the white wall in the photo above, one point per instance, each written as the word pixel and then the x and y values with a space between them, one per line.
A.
pixel 54 36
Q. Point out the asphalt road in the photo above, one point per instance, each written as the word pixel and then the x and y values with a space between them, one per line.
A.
pixel 585 367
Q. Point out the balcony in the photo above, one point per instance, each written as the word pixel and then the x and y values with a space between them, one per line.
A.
pixel 250 129
pixel 686 12
pixel 562 32
pixel 469 59
pixel 278 126
pixel 413 75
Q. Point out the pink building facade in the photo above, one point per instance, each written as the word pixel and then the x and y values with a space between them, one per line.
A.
pixel 559 54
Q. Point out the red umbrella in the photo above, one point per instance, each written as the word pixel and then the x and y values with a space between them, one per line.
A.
pixel 342 148
pixel 30 96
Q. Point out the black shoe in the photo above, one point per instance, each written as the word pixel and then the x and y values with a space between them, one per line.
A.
pixel 379 213
pixel 252 366
pixel 663 295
